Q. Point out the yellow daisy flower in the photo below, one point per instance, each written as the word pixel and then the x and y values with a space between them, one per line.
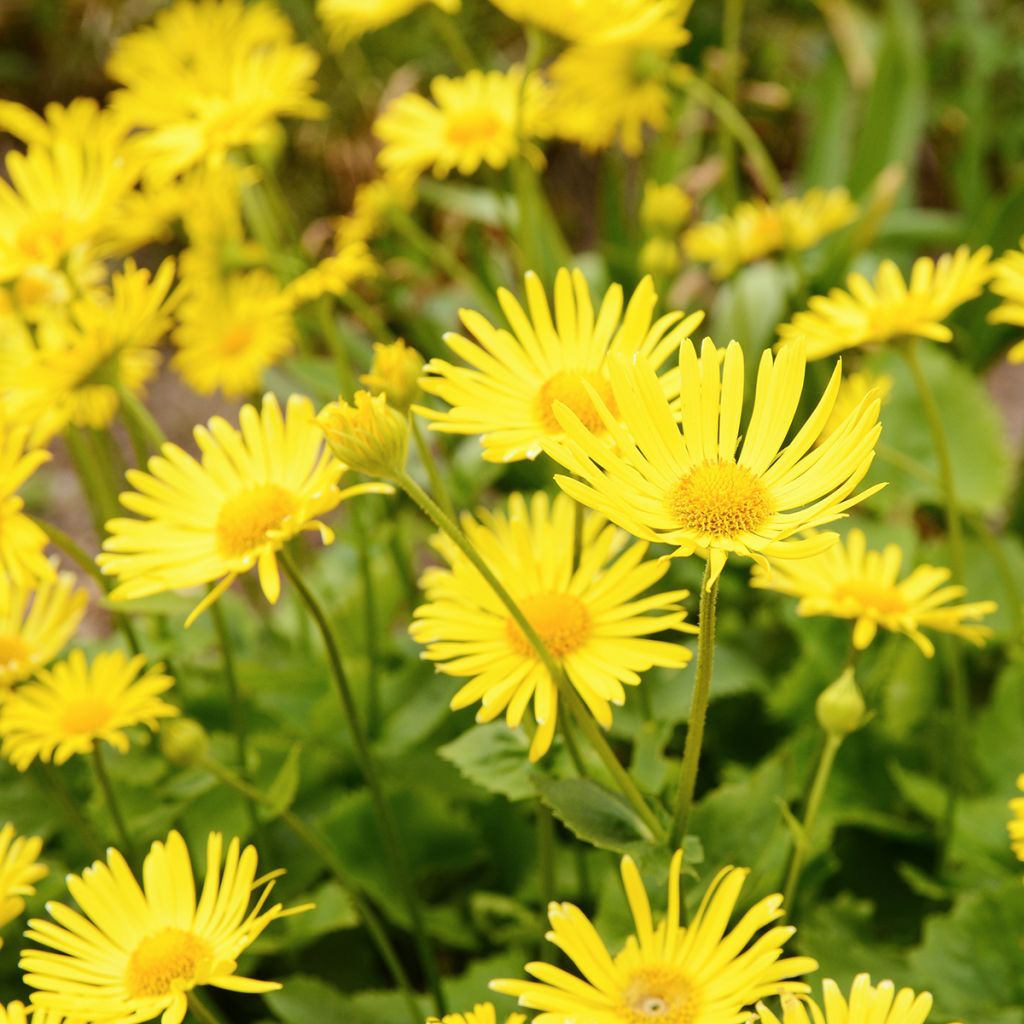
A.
pixel 333 275
pixel 1016 825
pixel 229 332
pixel 395 372
pixel 665 206
pixel 482 1013
pixel 22 561
pixel 19 871
pixel 213 518
pixel 473 120
pixel 133 953
pixel 209 76
pixel 670 972
pixel 371 206
pixel 1008 284
pixel 346 20
pixel 515 379
pixel 890 308
pixel 757 228
pixel 691 489
pixel 655 23
pixel 592 619
pixel 69 708
pixel 847 581
pixel 868 1004
pixel 36 621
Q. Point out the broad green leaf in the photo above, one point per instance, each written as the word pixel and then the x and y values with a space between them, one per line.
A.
pixel 999 729
pixel 332 912
pixel 281 792
pixel 303 998
pixel 592 813
pixel 493 757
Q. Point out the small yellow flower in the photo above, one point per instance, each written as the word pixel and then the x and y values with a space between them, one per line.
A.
pixel 473 120
pixel 346 20
pixel 19 871
pixel 133 953
pixel 1008 284
pixel 847 581
pixel 660 256
pixel 634 23
pixel 371 207
pixel 891 308
pixel 22 562
pixel 333 275
pixel 665 207
pixel 368 436
pixel 1016 825
pixel 868 1004
pixel 592 618
pixel 482 1013
pixel 697 973
pixel 395 372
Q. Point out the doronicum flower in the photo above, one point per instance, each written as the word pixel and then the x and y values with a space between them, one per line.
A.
pixel 19 871
pixel 1016 824
pixel 210 519
pixel 395 372
pixel 482 1013
pixel 133 953
pixel 848 581
pixel 1008 284
pixel 368 435
pixel 70 707
pixel 517 377
pixel 691 488
pixel 593 619
pixel 333 275
pixel 698 973
pixel 36 621
pixel 868 1004
pixel 346 20
pixel 22 562
pixel 372 205
pixel 665 207
pixel 473 120
pixel 891 308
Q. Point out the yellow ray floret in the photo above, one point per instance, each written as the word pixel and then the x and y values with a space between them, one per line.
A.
pixel 847 581
pixel 1016 825
pixel 1008 284
pixel 22 562
pixel 669 972
pixel 692 489
pixel 19 871
pixel 515 377
pixel 593 619
pixel 891 308
pixel 868 1004
pixel 482 1013
pixel 132 953
pixel 346 20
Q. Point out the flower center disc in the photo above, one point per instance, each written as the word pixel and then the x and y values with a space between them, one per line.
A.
pixel 869 596
pixel 475 125
pixel 567 386
pixel 245 521
pixel 13 650
pixel 85 716
pixel 659 995
pixel 720 499
pixel 237 338
pixel 561 620
pixel 160 960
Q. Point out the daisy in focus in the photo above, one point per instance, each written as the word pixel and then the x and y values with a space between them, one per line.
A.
pixel 69 708
pixel 691 489
pixel 36 622
pixel 210 519
pixel 848 581
pixel 698 973
pixel 1016 824
pixel 22 561
pixel 1008 284
pixel 470 121
pixel 346 20
pixel 517 377
pixel 593 619
pixel 482 1013
pixel 19 871
pixel 868 1004
pixel 134 953
pixel 891 308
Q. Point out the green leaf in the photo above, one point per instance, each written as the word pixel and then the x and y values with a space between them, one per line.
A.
pixel 924 794
pixel 281 792
pixel 999 730
pixel 332 912
pixel 303 999
pixel 593 813
pixel 493 757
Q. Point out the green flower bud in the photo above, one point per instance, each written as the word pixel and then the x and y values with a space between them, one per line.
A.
pixel 368 436
pixel 183 741
pixel 840 707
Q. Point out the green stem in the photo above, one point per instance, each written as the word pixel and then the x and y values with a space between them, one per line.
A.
pixel 385 817
pixel 430 465
pixel 52 778
pixel 337 344
pixel 458 47
pixel 238 722
pixel 362 540
pixel 566 691
pixel 368 316
pixel 698 709
pixel 140 420
pixel 100 768
pixel 202 1013
pixel 545 864
pixel 92 484
pixel 731 37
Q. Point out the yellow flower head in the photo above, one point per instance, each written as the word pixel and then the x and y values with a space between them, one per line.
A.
pixel 637 23
pixel 852 390
pixel 668 972
pixel 665 207
pixel 210 519
pixel 482 1013
pixel 19 871
pixel 1008 284
pixel 346 20
pixel 891 308
pixel 1016 825
pixel 368 435
pixel 72 706
pixel 395 372
pixel 36 621
pixel 660 256
pixel 473 120
pixel 691 488
pixel 333 275
pixel 208 76
pixel 371 206
pixel 132 953
pixel 517 377
pixel 22 561
pixel 847 581
pixel 757 228
pixel 868 1004
pixel 592 619
pixel 231 331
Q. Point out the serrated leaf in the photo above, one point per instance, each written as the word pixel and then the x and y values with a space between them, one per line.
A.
pixel 593 813
pixel 493 757
pixel 281 792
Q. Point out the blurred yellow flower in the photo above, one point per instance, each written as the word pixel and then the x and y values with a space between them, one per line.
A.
pixel 18 1013
pixel 482 1013
pixel 368 435
pixel 1016 825
pixel 638 23
pixel 697 973
pixel 473 120
pixel 19 871
pixel 758 228
pixel 209 76
pixel 852 390
pixel 690 488
pixel 847 581
pixel 134 953
pixel 891 308
pixel 69 708
pixel 665 207
pixel 36 622
pixel 659 256
pixel 333 275
pixel 516 378
pixel 211 519
pixel 593 618
pixel 395 372
pixel 22 562
pixel 348 19
pixel 869 1004
pixel 371 205
pixel 1008 284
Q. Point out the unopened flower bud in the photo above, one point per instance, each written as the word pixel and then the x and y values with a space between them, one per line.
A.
pixel 183 741
pixel 368 436
pixel 395 372
pixel 664 207
pixel 660 256
pixel 840 707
